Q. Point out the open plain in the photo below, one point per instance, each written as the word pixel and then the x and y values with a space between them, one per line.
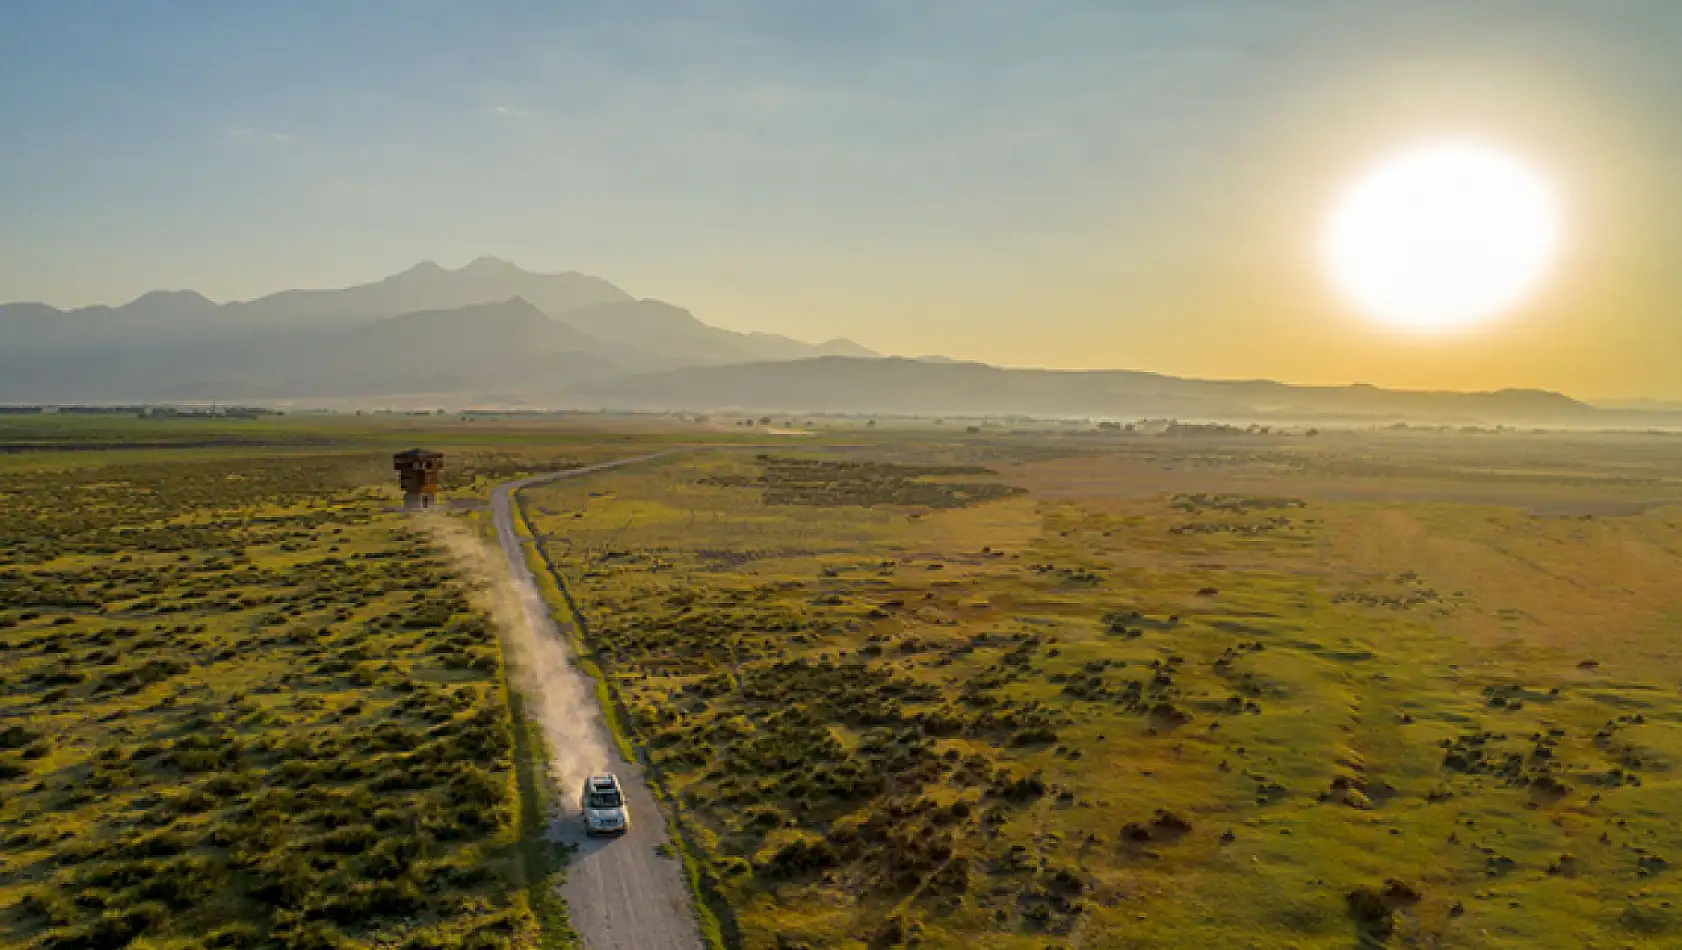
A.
pixel 890 686
pixel 1383 688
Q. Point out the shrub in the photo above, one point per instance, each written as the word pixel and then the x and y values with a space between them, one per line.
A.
pixel 799 857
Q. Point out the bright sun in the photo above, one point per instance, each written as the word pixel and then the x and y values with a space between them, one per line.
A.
pixel 1442 236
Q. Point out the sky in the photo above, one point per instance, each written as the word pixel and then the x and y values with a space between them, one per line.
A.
pixel 1060 183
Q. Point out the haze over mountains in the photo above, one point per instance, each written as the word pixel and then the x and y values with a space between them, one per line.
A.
pixel 955 388
pixel 490 333
pixel 480 331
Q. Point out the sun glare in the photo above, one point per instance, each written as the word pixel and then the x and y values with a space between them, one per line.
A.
pixel 1442 237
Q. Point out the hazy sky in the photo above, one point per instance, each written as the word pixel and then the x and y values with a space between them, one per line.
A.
pixel 1071 183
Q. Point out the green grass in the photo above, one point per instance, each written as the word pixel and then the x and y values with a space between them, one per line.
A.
pixel 257 707
pixel 1148 704
pixel 1164 721
pixel 703 893
pixel 541 865
pixel 286 727
pixel 23 435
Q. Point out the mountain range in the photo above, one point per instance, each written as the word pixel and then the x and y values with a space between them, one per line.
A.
pixel 948 387
pixel 486 328
pixel 492 334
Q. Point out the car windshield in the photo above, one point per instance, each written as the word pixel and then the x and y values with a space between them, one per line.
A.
pixel 605 799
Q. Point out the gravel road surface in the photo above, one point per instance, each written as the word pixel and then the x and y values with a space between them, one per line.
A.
pixel 621 893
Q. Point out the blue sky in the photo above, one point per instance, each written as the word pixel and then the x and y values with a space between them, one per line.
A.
pixel 1068 183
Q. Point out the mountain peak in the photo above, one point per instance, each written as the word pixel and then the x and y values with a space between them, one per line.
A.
pixel 423 269
pixel 489 265
pixel 171 296
pixel 841 346
pixel 170 302
pixel 443 334
pixel 520 304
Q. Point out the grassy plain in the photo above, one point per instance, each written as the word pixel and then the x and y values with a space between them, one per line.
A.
pixel 905 686
pixel 244 703
pixel 1382 689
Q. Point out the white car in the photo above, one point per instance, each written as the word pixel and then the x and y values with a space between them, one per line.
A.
pixel 604 806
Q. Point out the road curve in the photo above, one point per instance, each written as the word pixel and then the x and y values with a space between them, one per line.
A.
pixel 621 893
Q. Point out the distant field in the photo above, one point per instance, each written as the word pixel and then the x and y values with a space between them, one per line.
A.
pixel 22 434
pixel 1179 693
pixel 1551 474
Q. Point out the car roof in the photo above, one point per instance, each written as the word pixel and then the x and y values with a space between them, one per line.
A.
pixel 604 781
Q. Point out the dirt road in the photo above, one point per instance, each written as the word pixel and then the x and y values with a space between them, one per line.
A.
pixel 622 893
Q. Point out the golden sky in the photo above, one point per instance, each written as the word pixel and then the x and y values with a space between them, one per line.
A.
pixel 1077 183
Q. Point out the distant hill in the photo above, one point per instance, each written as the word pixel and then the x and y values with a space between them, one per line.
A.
pixel 675 335
pixel 1640 405
pixel 922 386
pixel 426 286
pixel 173 317
pixel 492 333
pixel 481 328
pixel 478 348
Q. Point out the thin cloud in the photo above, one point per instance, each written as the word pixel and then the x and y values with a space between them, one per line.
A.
pixel 245 133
